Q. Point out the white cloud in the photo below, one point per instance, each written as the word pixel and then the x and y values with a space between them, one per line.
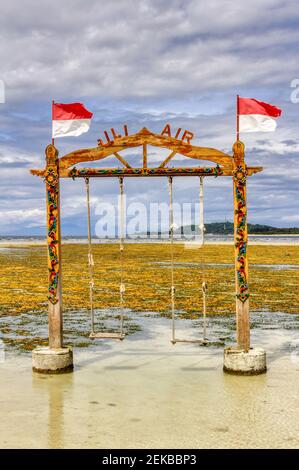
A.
pixel 11 155
pixel 148 48
pixel 26 218
pixel 146 63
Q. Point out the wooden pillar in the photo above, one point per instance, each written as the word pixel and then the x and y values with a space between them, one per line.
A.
pixel 241 239
pixel 54 248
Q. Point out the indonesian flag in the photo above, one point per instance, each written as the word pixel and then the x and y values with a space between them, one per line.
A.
pixel 256 115
pixel 70 119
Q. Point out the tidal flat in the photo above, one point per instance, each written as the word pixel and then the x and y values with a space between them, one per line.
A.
pixel 273 278
pixel 143 391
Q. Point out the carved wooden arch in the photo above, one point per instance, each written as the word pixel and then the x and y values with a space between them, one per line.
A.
pixel 226 165
pixel 146 137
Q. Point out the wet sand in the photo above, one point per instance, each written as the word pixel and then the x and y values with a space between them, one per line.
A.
pixel 144 393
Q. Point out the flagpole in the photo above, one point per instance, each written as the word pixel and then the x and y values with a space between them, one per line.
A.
pixel 53 140
pixel 238 133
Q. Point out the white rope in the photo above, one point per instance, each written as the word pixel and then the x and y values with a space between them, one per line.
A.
pixel 122 287
pixel 90 257
pixel 204 285
pixel 201 211
pixel 171 228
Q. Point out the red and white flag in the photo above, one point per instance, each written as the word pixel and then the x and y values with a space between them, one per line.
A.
pixel 256 116
pixel 71 119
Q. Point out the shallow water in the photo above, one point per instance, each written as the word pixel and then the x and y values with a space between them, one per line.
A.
pixel 144 392
pixel 287 239
pixel 23 332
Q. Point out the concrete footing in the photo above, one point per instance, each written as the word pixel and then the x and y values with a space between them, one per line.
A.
pixel 52 361
pixel 239 362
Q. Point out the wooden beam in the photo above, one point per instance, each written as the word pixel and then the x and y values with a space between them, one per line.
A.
pixel 133 172
pixel 241 240
pixel 183 171
pixel 167 159
pixel 122 160
pixel 144 136
pixel 54 248
pixel 144 155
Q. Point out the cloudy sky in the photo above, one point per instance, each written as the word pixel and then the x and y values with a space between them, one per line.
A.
pixel 146 63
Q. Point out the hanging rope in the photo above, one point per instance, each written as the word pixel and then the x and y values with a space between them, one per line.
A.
pixel 204 285
pixel 122 287
pixel 90 257
pixel 95 334
pixel 171 228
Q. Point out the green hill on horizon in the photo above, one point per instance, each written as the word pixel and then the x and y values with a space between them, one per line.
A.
pixel 227 228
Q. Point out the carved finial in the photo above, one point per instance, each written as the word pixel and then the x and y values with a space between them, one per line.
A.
pixel 239 150
pixel 51 153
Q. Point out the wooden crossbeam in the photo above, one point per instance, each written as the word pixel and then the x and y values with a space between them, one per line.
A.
pixel 183 171
pixel 106 172
pixel 144 136
pixel 122 160
pixel 167 159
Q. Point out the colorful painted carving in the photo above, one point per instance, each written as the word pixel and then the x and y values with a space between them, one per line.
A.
pixel 77 172
pixel 240 176
pixel 52 180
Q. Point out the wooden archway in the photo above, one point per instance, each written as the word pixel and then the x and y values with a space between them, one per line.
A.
pixel 223 165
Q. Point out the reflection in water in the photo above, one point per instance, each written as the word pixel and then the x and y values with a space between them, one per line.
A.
pixel 144 391
pixel 56 387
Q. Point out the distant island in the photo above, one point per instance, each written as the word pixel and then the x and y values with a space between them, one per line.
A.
pixel 227 228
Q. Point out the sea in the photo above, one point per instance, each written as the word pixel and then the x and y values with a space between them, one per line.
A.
pixel 210 239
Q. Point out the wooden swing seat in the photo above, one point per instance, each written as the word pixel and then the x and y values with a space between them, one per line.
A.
pixel 198 341
pixel 103 335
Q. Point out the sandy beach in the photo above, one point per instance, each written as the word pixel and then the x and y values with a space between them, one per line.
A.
pixel 146 393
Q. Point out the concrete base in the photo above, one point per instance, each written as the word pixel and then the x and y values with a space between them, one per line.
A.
pixel 52 361
pixel 239 362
